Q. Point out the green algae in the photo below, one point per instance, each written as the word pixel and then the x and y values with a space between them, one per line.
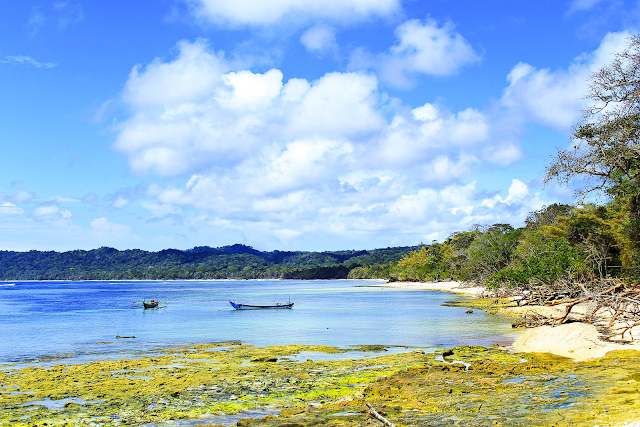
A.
pixel 488 305
pixel 465 385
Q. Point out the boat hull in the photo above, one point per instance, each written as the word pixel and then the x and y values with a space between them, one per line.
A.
pixel 260 307
pixel 150 304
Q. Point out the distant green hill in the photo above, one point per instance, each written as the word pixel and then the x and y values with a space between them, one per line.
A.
pixel 202 262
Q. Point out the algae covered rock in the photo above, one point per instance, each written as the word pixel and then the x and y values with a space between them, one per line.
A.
pixel 464 385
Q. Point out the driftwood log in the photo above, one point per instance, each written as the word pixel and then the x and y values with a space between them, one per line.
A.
pixel 373 413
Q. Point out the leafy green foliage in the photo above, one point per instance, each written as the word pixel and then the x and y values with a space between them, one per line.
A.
pixel 427 263
pixel 490 251
pixel 540 260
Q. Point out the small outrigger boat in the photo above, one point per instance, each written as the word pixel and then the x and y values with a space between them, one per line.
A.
pixel 151 304
pixel 148 304
pixel 260 307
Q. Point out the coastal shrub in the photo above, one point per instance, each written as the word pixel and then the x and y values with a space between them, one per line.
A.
pixel 490 252
pixel 426 264
pixel 541 260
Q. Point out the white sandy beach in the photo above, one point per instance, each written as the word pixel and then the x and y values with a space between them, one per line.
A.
pixel 578 341
pixel 452 287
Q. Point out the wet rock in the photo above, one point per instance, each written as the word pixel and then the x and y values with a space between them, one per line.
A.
pixel 265 359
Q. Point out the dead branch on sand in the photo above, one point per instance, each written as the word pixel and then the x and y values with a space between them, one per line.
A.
pixel 613 298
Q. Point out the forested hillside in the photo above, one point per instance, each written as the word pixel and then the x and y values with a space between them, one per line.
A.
pixel 203 262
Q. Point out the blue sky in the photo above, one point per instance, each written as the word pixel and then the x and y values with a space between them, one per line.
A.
pixel 289 124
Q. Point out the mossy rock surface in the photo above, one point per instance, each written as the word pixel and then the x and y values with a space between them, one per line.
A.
pixel 465 385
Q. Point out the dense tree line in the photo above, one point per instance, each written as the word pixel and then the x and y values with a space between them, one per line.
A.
pixel 228 262
pixel 558 242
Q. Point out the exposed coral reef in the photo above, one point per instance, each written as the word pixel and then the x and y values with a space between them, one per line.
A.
pixel 470 386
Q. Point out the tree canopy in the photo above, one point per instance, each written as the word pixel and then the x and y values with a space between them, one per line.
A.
pixel 606 142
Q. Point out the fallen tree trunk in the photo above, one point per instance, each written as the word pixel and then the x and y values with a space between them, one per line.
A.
pixel 372 412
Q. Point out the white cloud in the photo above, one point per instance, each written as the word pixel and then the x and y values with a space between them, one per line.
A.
pixel 160 210
pixel 102 227
pixel 62 199
pixel 191 77
pixel 274 157
pixel 430 132
pixel 26 61
pixel 425 48
pixel 518 191
pixel 7 208
pixel 191 113
pixel 256 12
pixel 579 5
pixel 555 98
pixel 19 196
pixel 251 91
pixel 51 213
pixel 320 38
pixel 120 203
pixel 36 21
pixel 320 213
pixel 45 211
pixel 337 105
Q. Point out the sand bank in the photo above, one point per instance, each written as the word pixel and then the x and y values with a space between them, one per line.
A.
pixel 576 339
pixel 579 341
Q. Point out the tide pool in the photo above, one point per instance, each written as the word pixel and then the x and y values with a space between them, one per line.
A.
pixel 82 319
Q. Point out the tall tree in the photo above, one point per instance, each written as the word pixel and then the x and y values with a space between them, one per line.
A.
pixel 605 153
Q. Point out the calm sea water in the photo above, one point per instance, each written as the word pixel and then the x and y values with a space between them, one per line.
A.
pixel 44 319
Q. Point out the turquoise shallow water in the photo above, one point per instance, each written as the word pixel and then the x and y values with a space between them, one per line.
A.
pixel 44 319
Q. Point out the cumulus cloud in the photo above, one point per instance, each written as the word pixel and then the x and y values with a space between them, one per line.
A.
pixel 120 203
pixel 7 208
pixel 517 192
pixel 192 113
pixel 423 48
pixel 428 49
pixel 20 195
pixel 556 97
pixel 282 157
pixel 160 210
pixel 320 39
pixel 255 12
pixel 103 228
pixel 52 213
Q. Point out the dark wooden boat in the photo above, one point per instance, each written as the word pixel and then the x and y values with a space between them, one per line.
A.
pixel 151 304
pixel 238 306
